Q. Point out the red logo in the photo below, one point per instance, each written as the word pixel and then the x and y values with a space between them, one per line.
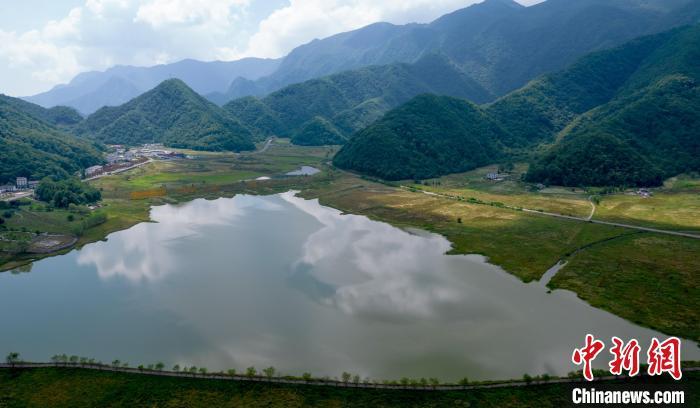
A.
pixel 625 357
pixel 587 354
pixel 662 357
pixel 665 357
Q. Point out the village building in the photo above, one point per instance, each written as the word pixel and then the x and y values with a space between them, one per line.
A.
pixel 7 188
pixel 644 193
pixel 496 176
pixel 22 183
pixel 91 171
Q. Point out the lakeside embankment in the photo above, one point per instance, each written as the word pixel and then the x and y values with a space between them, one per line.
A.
pixel 75 387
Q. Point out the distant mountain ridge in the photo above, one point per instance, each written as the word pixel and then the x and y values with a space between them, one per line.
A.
pixel 624 116
pixel 90 91
pixel 500 44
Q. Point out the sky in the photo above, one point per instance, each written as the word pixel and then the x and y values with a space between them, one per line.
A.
pixel 47 42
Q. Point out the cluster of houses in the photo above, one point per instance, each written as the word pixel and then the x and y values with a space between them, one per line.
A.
pixel 21 184
pixel 154 151
pixel 122 157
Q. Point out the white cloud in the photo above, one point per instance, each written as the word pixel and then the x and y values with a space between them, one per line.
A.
pixel 103 33
pixel 159 13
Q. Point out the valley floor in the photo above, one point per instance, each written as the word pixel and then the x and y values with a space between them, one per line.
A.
pixel 649 278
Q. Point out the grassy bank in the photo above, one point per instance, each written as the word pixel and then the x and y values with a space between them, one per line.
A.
pixel 54 387
pixel 650 279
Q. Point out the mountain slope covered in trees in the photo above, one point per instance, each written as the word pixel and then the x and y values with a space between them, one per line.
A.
pixel 350 100
pixel 426 137
pixel 172 114
pixel 34 148
pixel 626 116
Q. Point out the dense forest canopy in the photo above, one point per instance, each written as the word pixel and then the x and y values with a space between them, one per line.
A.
pixel 62 193
pixel 34 148
pixel 424 138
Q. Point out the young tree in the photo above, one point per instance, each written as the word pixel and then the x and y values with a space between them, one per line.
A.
pixel 12 358
pixel 176 368
pixel 203 370
pixel 306 376
pixel 160 366
pixel 231 372
pixel 250 371
pixel 116 363
pixel 269 372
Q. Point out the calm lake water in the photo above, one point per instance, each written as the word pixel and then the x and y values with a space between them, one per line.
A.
pixel 282 281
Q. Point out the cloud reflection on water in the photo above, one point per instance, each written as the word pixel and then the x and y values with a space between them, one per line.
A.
pixel 391 273
pixel 144 252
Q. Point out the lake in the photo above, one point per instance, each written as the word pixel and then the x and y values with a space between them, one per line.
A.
pixel 282 281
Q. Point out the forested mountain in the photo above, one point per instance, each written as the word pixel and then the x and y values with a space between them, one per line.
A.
pixel 625 116
pixel 500 44
pixel 92 90
pixel 58 115
pixel 349 101
pixel 172 114
pixel 34 148
pixel 426 137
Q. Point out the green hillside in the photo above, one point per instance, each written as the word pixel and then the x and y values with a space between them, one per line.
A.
pixel 318 132
pixel 172 114
pixel 34 148
pixel 424 138
pixel 626 116
pixel 58 115
pixel 653 124
pixel 258 116
pixel 351 100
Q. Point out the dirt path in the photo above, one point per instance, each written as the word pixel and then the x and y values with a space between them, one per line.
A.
pixel 590 200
